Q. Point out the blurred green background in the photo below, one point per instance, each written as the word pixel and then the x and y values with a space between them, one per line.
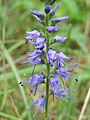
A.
pixel 15 20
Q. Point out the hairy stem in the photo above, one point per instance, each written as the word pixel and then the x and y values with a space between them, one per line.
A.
pixel 48 68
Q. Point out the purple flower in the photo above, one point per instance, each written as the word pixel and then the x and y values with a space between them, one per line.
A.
pixel 64 57
pixel 37 18
pixel 38 14
pixel 47 9
pixel 71 70
pixel 52 12
pixel 56 20
pixel 60 93
pixel 35 60
pixel 53 82
pixel 60 39
pixel 55 87
pixel 51 29
pixel 34 53
pixel 32 36
pixel 41 103
pixel 63 73
pixel 60 63
pixel 51 56
pixel 40 42
pixel 60 60
pixel 34 57
pixel 35 81
pixel 74 64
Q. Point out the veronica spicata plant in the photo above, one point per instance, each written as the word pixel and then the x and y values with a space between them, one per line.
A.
pixel 57 63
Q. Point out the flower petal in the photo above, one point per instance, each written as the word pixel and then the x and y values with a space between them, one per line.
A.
pixel 60 39
pixel 51 29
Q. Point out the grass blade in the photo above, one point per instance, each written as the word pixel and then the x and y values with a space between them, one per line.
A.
pixel 8 116
pixel 10 61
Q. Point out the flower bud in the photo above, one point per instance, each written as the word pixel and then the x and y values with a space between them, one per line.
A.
pixel 47 9
pixel 52 12
pixel 51 29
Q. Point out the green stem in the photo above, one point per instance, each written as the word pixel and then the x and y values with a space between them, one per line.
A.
pixel 48 67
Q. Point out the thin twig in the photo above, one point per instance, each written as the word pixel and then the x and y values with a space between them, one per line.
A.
pixel 84 105
pixel 15 108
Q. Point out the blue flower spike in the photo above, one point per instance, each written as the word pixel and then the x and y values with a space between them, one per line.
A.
pixel 59 66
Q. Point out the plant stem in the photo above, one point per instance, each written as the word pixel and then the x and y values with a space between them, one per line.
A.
pixel 48 67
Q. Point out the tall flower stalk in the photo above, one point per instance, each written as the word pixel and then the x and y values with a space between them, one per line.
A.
pixel 57 63
pixel 48 65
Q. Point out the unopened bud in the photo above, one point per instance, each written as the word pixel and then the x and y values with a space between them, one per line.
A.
pixel 47 9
